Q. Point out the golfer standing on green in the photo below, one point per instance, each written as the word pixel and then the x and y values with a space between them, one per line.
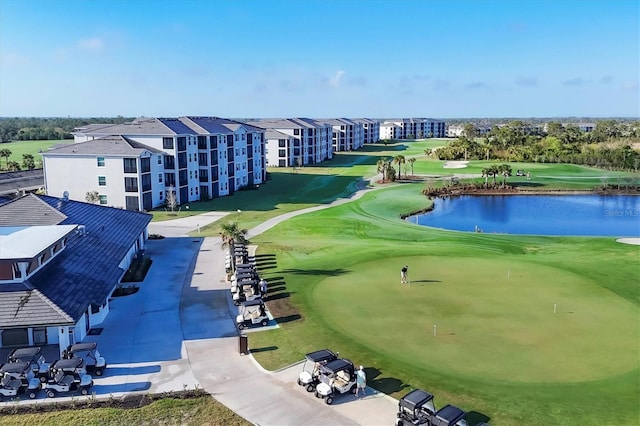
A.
pixel 403 274
pixel 361 381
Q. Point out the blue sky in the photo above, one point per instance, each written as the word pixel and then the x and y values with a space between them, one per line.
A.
pixel 325 58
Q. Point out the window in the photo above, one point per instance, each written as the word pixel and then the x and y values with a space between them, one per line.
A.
pixel 161 195
pixel 160 177
pixel 167 143
pixel 102 181
pixel 100 161
pixel 159 159
pixel 103 199
pixel 282 143
pixel 235 138
pixel 130 184
pixel 145 165
pixel 130 165
pixel 190 174
pixel 282 153
pixel 296 132
pixel 244 151
pixel 182 143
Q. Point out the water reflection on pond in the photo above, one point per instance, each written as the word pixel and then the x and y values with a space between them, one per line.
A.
pixel 595 215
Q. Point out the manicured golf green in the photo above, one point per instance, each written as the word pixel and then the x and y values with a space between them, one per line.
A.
pixel 466 313
pixel 499 351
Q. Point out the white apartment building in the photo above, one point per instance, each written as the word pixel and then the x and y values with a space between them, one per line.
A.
pixel 136 165
pixel 371 129
pixel 412 128
pixel 348 135
pixel 305 141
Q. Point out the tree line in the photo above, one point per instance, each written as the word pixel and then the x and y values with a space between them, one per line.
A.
pixel 611 144
pixel 48 128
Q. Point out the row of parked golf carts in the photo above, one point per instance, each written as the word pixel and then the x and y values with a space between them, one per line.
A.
pixel 247 289
pixel 27 372
pixel 329 376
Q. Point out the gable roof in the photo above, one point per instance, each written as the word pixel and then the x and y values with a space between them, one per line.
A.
pixel 139 126
pixel 29 211
pixel 21 306
pixel 113 145
pixel 87 270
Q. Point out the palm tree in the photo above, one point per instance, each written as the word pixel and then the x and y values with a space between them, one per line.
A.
pixel 494 170
pixel 5 153
pixel 231 235
pixel 411 161
pixel 428 152
pixel 485 175
pixel 381 166
pixel 399 160
pixel 505 171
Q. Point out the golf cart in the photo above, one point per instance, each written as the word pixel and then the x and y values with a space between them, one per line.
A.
pixel 62 382
pixel 415 408
pixel 310 370
pixel 73 366
pixel 32 355
pixel 335 378
pixel 10 386
pixel 20 372
pixel 251 312
pixel 94 363
pixel 449 415
pixel 246 291
pixel 242 280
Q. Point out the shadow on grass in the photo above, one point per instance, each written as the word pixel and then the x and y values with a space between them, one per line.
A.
pixel 386 385
pixel 474 418
pixel 287 318
pixel 283 295
pixel 328 272
pixel 424 281
pixel 277 288
pixel 264 349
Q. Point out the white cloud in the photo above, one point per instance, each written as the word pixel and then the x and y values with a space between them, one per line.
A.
pixel 93 44
pixel 335 80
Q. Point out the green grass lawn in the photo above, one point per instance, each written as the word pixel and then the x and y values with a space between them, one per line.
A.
pixel 197 411
pixel 28 147
pixel 500 352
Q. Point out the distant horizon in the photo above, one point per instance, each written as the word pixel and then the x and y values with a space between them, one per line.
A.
pixel 320 58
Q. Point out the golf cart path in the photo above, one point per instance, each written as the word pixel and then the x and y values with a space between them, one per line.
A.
pixel 238 381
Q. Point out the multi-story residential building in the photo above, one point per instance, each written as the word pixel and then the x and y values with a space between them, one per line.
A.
pixel 390 131
pixel 138 165
pixel 309 141
pixel 371 129
pixel 348 135
pixel 60 264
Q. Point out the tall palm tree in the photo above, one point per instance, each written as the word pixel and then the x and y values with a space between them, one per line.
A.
pixel 231 235
pixel 411 161
pixel 505 171
pixel 399 160
pixel 381 167
pixel 5 153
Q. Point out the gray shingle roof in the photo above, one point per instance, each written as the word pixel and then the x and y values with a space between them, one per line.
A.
pixel 274 134
pixel 21 306
pixel 139 126
pixel 109 145
pixel 24 211
pixel 86 271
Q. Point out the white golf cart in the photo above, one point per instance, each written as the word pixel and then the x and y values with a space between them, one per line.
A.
pixel 94 363
pixel 337 377
pixel 308 377
pixel 62 382
pixel 33 356
pixel 251 312
pixel 26 380
pixel 246 290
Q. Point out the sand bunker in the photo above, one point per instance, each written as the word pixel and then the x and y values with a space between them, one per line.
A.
pixel 455 164
pixel 634 241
